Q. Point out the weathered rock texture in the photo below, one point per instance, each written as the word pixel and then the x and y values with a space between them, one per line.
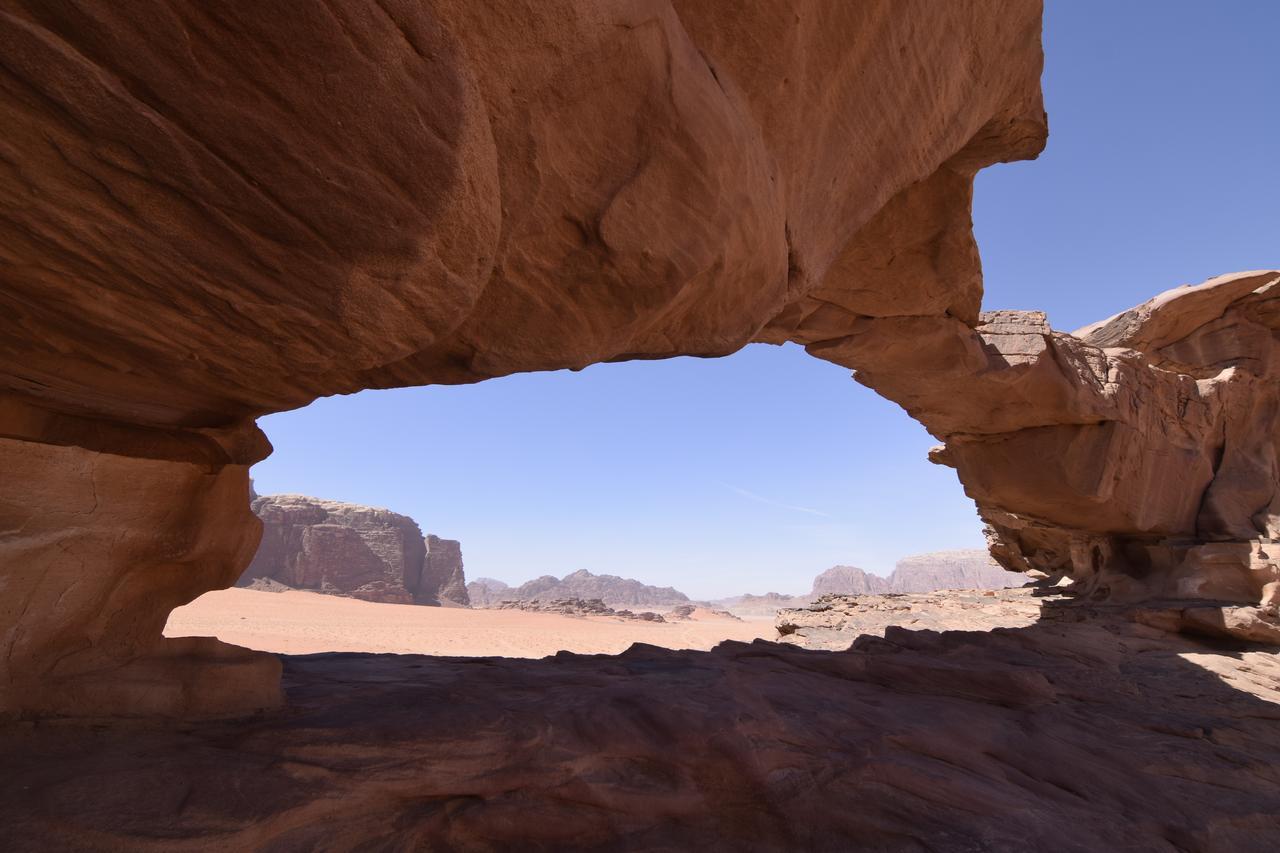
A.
pixel 611 589
pixel 1060 736
pixel 364 552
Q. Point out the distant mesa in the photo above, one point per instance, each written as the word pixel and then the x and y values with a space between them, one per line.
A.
pixel 959 569
pixel 358 551
pixel 963 569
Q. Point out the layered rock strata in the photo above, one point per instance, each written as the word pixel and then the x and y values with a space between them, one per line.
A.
pixel 346 549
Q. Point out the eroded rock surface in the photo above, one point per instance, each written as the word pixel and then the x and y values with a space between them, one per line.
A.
pixel 346 549
pixel 1084 736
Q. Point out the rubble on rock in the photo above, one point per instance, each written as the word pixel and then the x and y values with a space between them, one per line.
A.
pixel 575 607
pixel 835 621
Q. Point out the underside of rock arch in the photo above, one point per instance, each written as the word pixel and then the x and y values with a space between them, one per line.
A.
pixel 213 212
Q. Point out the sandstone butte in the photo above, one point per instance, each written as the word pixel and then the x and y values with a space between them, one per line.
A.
pixel 211 213
pixel 347 549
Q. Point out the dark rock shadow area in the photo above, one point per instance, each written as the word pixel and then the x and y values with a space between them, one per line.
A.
pixel 1101 735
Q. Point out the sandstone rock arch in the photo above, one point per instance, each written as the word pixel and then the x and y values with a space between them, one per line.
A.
pixel 208 214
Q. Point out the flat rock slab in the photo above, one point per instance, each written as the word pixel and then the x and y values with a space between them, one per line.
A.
pixel 1088 737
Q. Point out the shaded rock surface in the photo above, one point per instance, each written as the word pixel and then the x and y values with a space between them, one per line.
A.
pixel 1058 736
pixel 346 549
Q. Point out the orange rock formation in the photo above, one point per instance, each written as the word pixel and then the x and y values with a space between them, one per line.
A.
pixel 209 215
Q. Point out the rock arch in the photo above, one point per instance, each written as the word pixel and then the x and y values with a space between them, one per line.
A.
pixel 210 214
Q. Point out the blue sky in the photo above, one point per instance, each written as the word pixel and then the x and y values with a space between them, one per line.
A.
pixel 756 472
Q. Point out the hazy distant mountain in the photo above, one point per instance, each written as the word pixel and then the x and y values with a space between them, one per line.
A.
pixel 961 569
pixel 611 589
pixel 848 580
pixel 760 606
pixel 965 569
pixel 485 592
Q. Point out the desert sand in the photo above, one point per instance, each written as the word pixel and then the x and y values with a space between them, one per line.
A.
pixel 307 622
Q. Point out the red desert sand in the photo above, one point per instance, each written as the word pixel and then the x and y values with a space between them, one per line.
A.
pixel 308 622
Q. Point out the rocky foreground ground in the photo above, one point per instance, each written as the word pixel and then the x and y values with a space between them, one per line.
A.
pixel 1081 731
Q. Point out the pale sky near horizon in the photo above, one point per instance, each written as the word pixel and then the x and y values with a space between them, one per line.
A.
pixel 755 472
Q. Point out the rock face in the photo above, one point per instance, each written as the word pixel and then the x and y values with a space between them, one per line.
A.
pixel 364 552
pixel 1137 457
pixel 610 589
pixel 575 607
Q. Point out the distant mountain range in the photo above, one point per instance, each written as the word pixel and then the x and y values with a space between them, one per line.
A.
pixel 611 589
pixel 964 569
pixel 379 555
